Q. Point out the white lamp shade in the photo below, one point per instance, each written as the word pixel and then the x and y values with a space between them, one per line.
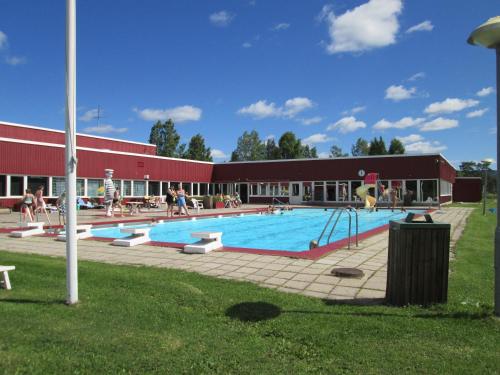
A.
pixel 487 35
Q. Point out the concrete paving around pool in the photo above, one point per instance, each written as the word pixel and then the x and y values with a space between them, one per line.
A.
pixel 308 277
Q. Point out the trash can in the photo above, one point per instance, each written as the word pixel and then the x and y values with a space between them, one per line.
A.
pixel 418 260
pixel 207 201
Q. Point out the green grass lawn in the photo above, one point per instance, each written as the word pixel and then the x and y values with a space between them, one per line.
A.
pixel 149 320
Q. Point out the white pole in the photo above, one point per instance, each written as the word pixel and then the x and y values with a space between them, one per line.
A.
pixel 70 155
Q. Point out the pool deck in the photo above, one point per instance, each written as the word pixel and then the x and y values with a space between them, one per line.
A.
pixel 302 276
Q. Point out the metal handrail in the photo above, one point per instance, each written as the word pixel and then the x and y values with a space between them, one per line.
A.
pixel 279 202
pixel 339 213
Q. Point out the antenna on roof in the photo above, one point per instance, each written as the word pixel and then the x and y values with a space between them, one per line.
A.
pixel 98 116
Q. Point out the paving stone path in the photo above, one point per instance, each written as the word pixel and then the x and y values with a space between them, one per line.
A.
pixel 308 277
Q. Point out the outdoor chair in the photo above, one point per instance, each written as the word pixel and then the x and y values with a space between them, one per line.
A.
pixel 197 205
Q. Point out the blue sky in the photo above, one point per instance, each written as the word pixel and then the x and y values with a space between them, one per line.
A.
pixel 330 71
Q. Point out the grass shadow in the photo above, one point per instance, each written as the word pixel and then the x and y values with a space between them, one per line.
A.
pixel 253 311
pixel 32 301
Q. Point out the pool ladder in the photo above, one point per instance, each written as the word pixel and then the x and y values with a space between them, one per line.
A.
pixel 337 213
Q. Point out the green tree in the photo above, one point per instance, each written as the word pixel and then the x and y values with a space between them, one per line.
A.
pixel 197 150
pixel 181 152
pixel 360 148
pixel 396 147
pixel 309 152
pixel 377 147
pixel 165 137
pixel 290 146
pixel 336 152
pixel 272 151
pixel 249 147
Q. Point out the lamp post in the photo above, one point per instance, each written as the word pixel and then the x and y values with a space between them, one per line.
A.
pixel 488 35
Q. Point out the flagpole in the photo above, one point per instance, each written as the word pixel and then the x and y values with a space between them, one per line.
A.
pixel 70 155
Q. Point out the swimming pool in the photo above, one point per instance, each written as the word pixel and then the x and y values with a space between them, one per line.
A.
pixel 291 231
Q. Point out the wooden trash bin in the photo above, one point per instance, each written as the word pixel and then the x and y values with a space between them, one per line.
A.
pixel 417 268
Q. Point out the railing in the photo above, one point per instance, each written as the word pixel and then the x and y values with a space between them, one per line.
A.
pixel 279 202
pixel 337 213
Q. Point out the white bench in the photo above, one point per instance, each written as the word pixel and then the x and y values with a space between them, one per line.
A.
pixel 82 232
pixel 32 229
pixel 5 273
pixel 137 236
pixel 208 241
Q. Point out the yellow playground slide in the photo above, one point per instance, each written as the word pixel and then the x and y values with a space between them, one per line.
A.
pixel 362 192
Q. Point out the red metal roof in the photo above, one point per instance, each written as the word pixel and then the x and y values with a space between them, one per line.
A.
pixel 33 133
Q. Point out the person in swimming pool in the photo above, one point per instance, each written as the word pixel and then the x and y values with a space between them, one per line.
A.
pixel 181 201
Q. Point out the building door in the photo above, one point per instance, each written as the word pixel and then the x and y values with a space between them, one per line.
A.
pixel 295 192
pixel 244 193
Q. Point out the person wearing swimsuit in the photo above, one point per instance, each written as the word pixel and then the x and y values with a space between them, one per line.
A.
pixel 181 201
pixel 40 203
pixel 27 204
pixel 169 199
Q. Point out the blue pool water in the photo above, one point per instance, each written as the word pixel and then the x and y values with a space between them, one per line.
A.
pixel 290 231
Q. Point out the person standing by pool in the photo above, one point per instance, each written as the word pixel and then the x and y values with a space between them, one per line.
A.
pixel 170 199
pixel 117 202
pixel 27 204
pixel 109 191
pixel 40 203
pixel 181 200
pixel 61 208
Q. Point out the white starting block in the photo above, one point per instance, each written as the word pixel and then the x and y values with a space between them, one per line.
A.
pixel 137 236
pixel 82 232
pixel 208 241
pixel 5 273
pixel 32 229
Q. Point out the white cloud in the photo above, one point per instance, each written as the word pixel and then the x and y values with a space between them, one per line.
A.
pixel 89 115
pixel 297 105
pixel 178 114
pixel 493 130
pixel 403 123
pixel 104 129
pixel 423 26
pixel 347 125
pixel 412 138
pixel 485 91
pixel 324 155
pixel 262 109
pixel 311 120
pixel 398 93
pixel 439 123
pixel 424 147
pixel 3 40
pixel 368 26
pixel 218 154
pixel 354 110
pixel 416 76
pixel 477 113
pixel 246 45
pixel 317 138
pixel 281 26
pixel 450 105
pixel 14 60
pixel 221 19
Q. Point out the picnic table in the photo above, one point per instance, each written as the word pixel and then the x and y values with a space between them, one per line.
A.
pixel 134 207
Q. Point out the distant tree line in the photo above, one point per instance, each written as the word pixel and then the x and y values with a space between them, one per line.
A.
pixel 251 147
pixel 167 141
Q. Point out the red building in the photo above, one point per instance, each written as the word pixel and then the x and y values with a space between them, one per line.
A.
pixel 32 156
